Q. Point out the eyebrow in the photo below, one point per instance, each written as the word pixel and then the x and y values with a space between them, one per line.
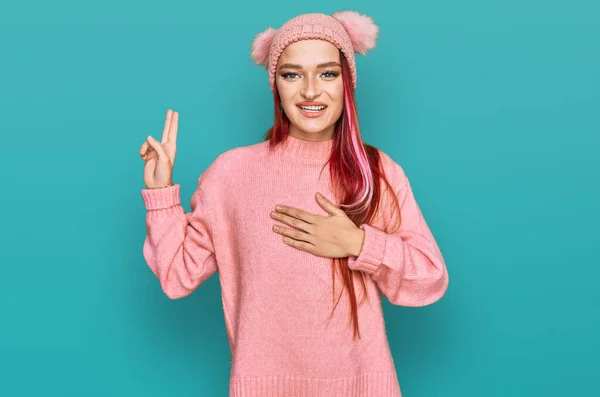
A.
pixel 319 66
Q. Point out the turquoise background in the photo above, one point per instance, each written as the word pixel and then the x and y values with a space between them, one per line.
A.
pixel 493 110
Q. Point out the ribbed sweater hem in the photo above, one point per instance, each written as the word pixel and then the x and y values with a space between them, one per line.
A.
pixel 380 384
pixel 372 252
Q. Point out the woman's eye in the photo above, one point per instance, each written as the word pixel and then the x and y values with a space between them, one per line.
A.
pixel 329 74
pixel 289 75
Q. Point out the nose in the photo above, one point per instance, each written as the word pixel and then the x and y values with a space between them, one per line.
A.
pixel 311 88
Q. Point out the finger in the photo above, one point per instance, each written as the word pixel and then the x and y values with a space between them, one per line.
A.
pixel 149 156
pixel 297 213
pixel 167 126
pixel 294 222
pixel 301 245
pixel 158 148
pixel 295 234
pixel 144 148
pixel 328 205
pixel 146 152
pixel 171 144
pixel 173 128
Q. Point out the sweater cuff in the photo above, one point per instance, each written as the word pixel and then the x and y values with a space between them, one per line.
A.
pixel 372 252
pixel 166 197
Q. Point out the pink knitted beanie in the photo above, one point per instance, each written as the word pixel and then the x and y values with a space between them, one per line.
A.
pixel 348 30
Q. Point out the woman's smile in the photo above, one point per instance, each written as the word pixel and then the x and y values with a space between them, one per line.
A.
pixel 311 109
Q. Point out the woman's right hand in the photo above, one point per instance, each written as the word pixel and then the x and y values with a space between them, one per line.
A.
pixel 159 157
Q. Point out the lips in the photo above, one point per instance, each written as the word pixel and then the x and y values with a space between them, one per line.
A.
pixel 311 109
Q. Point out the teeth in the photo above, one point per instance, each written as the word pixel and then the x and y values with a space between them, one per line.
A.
pixel 312 108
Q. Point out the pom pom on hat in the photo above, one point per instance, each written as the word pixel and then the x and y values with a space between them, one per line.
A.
pixel 261 45
pixel 361 29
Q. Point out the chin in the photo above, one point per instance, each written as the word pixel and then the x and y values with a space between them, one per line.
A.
pixel 312 125
pixel 313 128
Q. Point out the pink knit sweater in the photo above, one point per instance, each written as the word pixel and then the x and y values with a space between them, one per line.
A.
pixel 276 298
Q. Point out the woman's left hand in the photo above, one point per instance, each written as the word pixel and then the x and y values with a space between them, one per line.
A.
pixel 334 236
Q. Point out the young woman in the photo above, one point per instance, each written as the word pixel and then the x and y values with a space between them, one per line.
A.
pixel 292 222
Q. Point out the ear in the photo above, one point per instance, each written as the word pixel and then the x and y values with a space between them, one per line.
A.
pixel 261 45
pixel 361 29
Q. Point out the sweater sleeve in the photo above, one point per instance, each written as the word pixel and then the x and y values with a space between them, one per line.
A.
pixel 178 247
pixel 407 265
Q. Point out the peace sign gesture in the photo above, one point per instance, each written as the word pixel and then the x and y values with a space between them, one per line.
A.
pixel 159 157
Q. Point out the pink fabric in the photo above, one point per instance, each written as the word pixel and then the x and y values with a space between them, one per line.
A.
pixel 276 298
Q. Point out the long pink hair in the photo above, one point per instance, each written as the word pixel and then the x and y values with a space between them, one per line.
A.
pixel 353 166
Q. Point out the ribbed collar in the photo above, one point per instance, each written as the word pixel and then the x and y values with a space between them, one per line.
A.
pixel 312 151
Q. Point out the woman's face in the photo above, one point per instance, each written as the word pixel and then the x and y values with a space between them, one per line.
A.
pixel 309 81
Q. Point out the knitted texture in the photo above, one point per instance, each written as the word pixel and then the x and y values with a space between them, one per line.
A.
pixel 277 299
pixel 306 27
pixel 347 30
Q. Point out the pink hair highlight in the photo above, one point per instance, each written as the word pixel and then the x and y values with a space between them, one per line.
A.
pixel 365 194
